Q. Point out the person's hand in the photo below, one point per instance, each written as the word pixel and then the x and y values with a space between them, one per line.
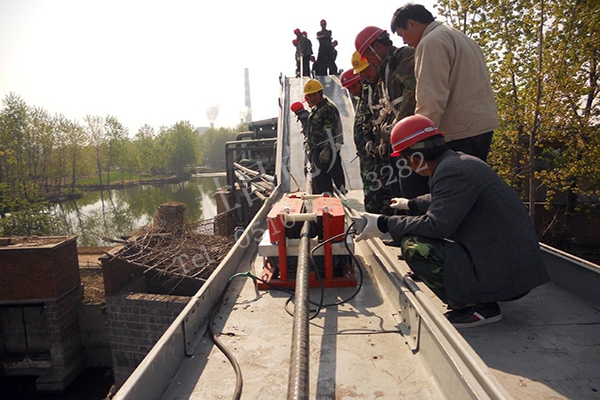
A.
pixel 369 148
pixel 312 58
pixel 370 230
pixel 338 146
pixel 325 156
pixel 399 203
pixel 383 149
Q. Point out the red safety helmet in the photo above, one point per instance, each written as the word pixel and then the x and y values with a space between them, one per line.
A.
pixel 366 37
pixel 411 130
pixel 304 33
pixel 348 78
pixel 297 31
pixel 295 42
pixel 297 106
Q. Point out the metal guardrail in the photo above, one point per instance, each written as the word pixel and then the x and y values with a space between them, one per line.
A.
pixel 574 274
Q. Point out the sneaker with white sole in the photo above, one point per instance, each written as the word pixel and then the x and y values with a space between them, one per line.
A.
pixel 479 314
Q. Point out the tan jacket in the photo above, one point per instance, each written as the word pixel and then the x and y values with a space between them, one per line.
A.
pixel 453 84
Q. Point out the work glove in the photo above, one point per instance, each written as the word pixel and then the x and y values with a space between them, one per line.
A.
pixel 369 148
pixel 370 230
pixel 399 203
pixel 383 149
pixel 338 146
pixel 325 156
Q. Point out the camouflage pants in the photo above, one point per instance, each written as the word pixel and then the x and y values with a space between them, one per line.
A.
pixel 377 193
pixel 425 257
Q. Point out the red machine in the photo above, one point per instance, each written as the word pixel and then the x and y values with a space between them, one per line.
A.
pixel 281 245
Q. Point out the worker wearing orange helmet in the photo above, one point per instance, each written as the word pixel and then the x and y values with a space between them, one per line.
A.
pixel 471 240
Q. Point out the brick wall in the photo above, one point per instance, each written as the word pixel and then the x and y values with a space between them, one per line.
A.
pixel 94 334
pixel 44 272
pixel 135 323
pixel 63 329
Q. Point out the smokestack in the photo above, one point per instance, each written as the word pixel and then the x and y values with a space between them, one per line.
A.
pixel 212 113
pixel 248 102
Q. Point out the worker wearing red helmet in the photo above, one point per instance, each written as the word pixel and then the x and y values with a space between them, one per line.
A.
pixel 325 63
pixel 302 114
pixel 375 170
pixel 453 85
pixel 397 92
pixel 472 242
pixel 351 82
pixel 304 53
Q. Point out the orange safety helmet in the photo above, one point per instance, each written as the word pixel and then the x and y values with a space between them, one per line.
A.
pixel 411 130
pixel 366 37
pixel 297 106
pixel 348 78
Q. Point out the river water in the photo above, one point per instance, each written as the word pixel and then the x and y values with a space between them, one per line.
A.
pixel 117 212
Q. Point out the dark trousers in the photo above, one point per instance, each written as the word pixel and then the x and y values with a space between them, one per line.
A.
pixel 478 146
pixel 325 60
pixel 306 66
pixel 323 173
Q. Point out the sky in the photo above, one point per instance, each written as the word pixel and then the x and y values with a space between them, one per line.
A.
pixel 161 62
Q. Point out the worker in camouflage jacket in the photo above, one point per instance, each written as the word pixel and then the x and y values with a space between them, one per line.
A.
pixel 324 139
pixel 374 169
pixel 397 98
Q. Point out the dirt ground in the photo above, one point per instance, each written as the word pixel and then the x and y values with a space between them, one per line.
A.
pixel 91 274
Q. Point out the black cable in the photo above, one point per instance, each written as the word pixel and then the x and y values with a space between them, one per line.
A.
pixel 359 286
pixel 239 382
pixel 320 305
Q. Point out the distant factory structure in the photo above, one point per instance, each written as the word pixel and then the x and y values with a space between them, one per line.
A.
pixel 245 113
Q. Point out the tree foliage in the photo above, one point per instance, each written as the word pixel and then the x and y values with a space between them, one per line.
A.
pixel 46 155
pixel 212 144
pixel 554 101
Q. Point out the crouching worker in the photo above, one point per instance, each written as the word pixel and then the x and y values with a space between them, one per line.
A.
pixel 472 243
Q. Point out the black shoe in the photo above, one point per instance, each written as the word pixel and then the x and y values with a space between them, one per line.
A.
pixel 392 242
pixel 479 314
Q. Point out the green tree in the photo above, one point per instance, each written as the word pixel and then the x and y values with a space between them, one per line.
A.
pixel 145 149
pixel 95 133
pixel 13 127
pixel 28 217
pixel 543 58
pixel 212 144
pixel 116 136
pixel 182 146
pixel 74 141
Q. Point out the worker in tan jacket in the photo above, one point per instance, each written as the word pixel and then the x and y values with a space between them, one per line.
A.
pixel 453 84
